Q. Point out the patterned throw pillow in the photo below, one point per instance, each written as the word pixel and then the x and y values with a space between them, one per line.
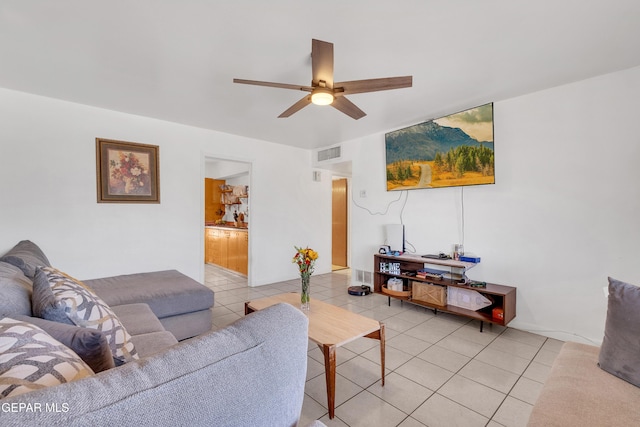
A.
pixel 30 359
pixel 86 309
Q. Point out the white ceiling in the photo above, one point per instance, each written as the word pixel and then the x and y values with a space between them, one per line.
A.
pixel 175 60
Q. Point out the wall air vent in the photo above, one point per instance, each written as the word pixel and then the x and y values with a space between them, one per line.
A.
pixel 329 154
pixel 368 278
pixel 364 277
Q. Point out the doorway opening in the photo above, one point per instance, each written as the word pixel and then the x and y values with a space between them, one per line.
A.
pixel 340 196
pixel 227 215
pixel 339 224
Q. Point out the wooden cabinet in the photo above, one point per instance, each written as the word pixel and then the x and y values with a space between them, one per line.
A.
pixel 213 208
pixel 209 247
pixel 227 248
pixel 503 298
pixel 238 252
pixel 243 253
pixel 222 248
pixel 232 250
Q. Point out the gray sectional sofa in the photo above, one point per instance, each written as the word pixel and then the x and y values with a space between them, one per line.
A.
pixel 158 308
pixel 249 373
pixel 597 386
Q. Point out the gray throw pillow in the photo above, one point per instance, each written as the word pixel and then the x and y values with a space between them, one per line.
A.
pixel 15 289
pixel 43 303
pixel 27 256
pixel 91 345
pixel 620 351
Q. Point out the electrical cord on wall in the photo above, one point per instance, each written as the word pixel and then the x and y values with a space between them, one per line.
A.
pixel 404 204
pixel 413 248
pixel 377 213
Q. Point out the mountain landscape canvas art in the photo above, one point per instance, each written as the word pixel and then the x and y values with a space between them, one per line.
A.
pixel 451 151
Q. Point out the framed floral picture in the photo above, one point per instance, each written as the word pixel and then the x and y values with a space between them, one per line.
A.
pixel 127 172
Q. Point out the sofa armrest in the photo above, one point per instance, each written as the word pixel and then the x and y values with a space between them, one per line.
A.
pixel 249 373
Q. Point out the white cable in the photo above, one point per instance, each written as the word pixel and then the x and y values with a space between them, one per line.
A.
pixel 375 213
pixel 403 205
pixel 413 250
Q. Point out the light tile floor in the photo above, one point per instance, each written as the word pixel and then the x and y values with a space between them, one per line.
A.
pixel 441 370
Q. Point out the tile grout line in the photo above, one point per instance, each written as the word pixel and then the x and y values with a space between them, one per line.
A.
pixel 457 372
pixel 330 291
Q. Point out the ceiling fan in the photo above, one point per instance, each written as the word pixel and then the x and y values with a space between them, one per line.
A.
pixel 324 91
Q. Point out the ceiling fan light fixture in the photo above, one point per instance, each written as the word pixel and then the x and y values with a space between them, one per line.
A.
pixel 325 91
pixel 321 96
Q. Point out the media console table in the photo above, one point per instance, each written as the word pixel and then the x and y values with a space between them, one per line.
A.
pixel 405 266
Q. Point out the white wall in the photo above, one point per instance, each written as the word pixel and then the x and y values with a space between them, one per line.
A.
pixel 48 193
pixel 222 169
pixel 562 216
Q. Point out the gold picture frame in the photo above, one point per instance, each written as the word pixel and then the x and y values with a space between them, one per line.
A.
pixel 127 172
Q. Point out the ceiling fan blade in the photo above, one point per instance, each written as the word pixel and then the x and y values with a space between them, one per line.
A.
pixel 322 63
pixel 374 85
pixel 270 84
pixel 296 107
pixel 349 108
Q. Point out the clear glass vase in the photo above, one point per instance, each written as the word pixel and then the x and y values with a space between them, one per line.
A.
pixel 305 280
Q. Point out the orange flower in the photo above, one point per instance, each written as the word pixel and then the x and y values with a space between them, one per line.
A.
pixel 306 259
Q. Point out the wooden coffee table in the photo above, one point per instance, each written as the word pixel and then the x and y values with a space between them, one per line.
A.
pixel 330 327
